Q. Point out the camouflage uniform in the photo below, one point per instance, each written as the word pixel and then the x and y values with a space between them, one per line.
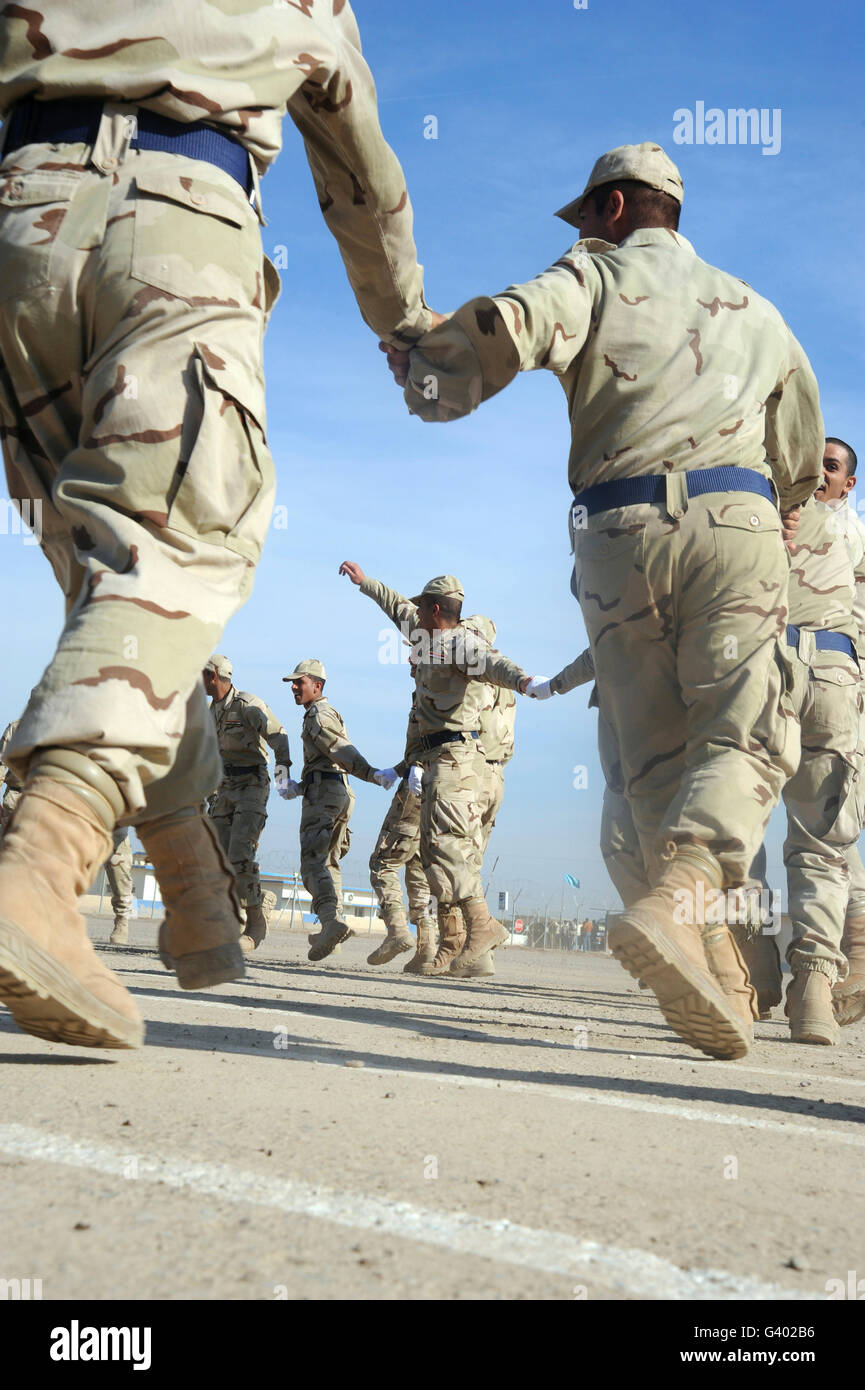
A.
pixel 823 799
pixel 118 870
pixel 669 366
pixel 451 670
pixel 850 525
pixel 245 728
pixel 11 783
pixel 328 802
pixel 496 726
pixel 398 846
pixel 143 439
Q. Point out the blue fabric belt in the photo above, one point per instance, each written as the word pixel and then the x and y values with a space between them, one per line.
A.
pixel 823 641
pixel 627 492
pixel 77 123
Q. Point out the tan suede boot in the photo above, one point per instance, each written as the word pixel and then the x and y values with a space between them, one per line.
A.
pixel 481 968
pixel 199 937
pixel 659 940
pixel 849 995
pixel 397 940
pixel 425 949
pixel 255 930
pixel 51 979
pixel 120 934
pixel 726 964
pixel 809 1009
pixel 760 954
pixel 484 933
pixel 333 931
pixel 451 941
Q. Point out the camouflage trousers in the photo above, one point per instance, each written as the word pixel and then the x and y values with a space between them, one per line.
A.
pixel 132 309
pixel 620 844
pixel 118 871
pixel 10 801
pixel 824 805
pixel 239 813
pixel 492 796
pixel 856 900
pixel 324 840
pixel 691 606
pixel 398 847
pixel 452 798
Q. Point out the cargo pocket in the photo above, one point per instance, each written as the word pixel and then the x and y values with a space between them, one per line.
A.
pixel 610 577
pixel 33 206
pixel 195 239
pixel 748 544
pixel 224 484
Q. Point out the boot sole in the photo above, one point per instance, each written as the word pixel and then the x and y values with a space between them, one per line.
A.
pixel 849 1003
pixel 218 965
pixel 47 1000
pixel 695 1010
pixel 399 948
pixel 412 968
pixel 322 952
pixel 819 1036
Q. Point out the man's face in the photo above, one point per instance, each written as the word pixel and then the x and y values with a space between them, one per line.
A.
pixel 835 484
pixel 426 615
pixel 209 678
pixel 591 222
pixel 305 690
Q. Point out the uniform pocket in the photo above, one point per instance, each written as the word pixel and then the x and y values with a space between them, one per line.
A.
pixel 747 544
pixel 33 207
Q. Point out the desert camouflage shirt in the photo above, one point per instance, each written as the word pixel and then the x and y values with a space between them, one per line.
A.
pixel 821 575
pixel 852 527
pixel 579 672
pixel 245 728
pixel 239 65
pixel 451 667
pixel 667 363
pixel 325 743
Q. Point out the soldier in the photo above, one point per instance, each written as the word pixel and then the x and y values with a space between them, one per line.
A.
pixel 686 393
pixel 839 479
pixel 328 801
pixel 11 783
pixel 451 667
pixel 118 869
pixel 133 138
pixel 398 846
pixel 245 728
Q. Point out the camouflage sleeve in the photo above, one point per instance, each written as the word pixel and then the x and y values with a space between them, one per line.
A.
pixel 327 735
pixel 412 745
pixel 401 611
pixel 795 433
pixel 482 347
pixel 277 739
pixel 580 672
pixel 361 189
pixel 476 659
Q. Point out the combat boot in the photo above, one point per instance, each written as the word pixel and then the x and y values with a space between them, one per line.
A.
pixel 397 940
pixel 200 935
pixel 760 954
pixel 120 934
pixel 333 931
pixel 452 938
pixel 424 950
pixel 463 969
pixel 726 964
pixel 484 933
pixel 255 930
pixel 51 979
pixel 809 1009
pixel 655 945
pixel 849 995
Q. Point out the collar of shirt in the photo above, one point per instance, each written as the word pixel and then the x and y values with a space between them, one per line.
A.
pixel 657 236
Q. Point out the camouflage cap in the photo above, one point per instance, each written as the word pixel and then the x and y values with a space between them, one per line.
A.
pixel 308 668
pixel 221 666
pixel 647 163
pixel 444 585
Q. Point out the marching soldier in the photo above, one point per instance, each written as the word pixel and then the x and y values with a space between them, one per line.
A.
pixel 451 667
pixel 134 139
pixel 686 393
pixel 245 729
pixel 118 869
pixel 328 801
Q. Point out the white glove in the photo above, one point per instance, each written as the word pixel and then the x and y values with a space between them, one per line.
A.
pixel 386 777
pixel 290 790
pixel 415 777
pixel 280 775
pixel 539 688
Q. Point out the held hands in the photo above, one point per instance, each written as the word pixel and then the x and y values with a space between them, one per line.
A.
pixel 398 358
pixel 386 777
pixel 415 777
pixel 288 789
pixel 790 524
pixel 538 687
pixel 354 571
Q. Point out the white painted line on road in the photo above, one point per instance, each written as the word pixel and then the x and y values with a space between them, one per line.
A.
pixel 634 1273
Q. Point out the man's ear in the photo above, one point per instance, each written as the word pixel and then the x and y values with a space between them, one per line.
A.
pixel 850 483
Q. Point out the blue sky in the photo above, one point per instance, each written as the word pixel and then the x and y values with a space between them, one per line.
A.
pixel 526 97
